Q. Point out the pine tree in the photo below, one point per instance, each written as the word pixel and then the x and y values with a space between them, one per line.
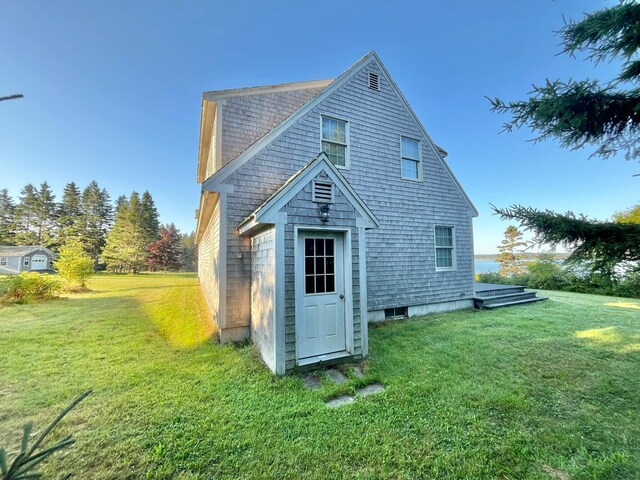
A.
pixel 121 200
pixel 70 218
pixel 165 253
pixel 189 257
pixel 126 248
pixel 7 218
pixel 586 112
pixel 26 216
pixel 97 216
pixel 149 217
pixel 45 216
pixel 508 258
pixel 602 244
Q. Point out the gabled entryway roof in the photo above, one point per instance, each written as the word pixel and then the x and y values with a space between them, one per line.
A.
pixel 267 213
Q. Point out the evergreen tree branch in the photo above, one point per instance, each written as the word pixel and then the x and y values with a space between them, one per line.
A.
pixel 606 244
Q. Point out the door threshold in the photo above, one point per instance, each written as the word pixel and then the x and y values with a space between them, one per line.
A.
pixel 322 358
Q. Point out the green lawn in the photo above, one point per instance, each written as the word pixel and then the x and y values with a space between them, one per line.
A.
pixel 541 391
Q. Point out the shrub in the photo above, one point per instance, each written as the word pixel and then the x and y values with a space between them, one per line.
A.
pixel 629 286
pixel 546 273
pixel 74 264
pixel 31 287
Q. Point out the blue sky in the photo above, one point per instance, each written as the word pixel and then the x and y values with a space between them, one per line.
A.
pixel 113 91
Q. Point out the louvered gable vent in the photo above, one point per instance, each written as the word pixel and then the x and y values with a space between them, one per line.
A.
pixel 323 192
pixel 374 81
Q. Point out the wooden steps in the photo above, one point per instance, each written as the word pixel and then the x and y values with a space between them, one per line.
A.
pixel 491 296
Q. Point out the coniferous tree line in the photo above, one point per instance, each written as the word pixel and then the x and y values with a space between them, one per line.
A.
pixel 122 236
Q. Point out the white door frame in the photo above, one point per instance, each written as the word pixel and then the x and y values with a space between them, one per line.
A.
pixel 348 290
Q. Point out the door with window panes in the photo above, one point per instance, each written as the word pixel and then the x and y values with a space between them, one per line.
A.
pixel 321 323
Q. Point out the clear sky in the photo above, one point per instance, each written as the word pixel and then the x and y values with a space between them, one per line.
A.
pixel 113 90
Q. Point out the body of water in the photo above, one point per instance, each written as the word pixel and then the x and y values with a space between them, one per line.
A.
pixel 486 266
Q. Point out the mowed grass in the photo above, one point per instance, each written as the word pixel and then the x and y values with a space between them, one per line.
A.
pixel 550 390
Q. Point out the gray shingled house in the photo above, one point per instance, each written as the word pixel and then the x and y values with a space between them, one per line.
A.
pixel 34 258
pixel 325 205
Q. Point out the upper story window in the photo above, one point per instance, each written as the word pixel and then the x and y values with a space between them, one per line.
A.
pixel 410 153
pixel 335 141
pixel 445 248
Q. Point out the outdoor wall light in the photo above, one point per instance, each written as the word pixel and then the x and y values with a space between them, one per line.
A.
pixel 324 212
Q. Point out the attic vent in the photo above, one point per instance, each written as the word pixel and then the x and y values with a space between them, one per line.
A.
pixel 322 192
pixel 374 81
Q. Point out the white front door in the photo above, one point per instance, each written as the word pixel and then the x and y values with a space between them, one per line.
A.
pixel 39 262
pixel 320 323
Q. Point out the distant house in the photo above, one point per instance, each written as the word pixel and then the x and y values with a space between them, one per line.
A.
pixel 324 206
pixel 33 258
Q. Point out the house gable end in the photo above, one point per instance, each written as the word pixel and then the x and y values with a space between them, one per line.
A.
pixel 219 177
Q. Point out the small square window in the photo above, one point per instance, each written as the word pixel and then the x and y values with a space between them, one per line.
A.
pixel 410 153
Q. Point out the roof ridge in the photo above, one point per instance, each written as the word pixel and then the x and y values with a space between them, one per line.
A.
pixel 265 89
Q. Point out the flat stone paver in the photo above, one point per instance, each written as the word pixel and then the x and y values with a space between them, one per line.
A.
pixel 339 401
pixel 357 371
pixel 311 382
pixel 370 390
pixel 336 375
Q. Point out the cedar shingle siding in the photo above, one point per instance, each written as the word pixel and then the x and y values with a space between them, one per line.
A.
pixel 400 254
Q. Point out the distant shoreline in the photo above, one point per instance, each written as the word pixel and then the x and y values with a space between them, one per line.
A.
pixel 527 256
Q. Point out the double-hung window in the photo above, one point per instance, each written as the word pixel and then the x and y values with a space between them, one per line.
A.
pixel 445 248
pixel 410 153
pixel 25 262
pixel 335 141
pixel 3 261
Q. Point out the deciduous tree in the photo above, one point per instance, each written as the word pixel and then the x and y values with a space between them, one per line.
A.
pixel 165 254
pixel 73 263
pixel 631 215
